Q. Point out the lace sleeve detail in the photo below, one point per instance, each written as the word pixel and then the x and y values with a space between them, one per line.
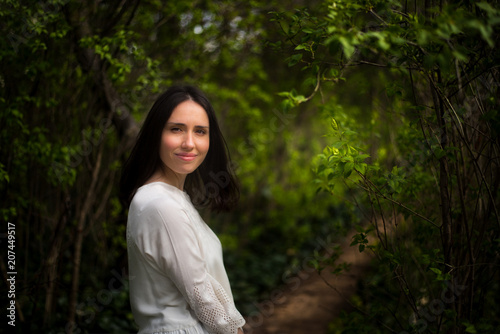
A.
pixel 214 308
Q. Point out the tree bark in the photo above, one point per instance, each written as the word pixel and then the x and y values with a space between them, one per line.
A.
pixel 89 200
pixel 51 267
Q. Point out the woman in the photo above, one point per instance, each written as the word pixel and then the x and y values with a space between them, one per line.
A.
pixel 178 282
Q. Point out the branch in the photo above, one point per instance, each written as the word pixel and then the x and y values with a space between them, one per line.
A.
pixel 318 80
pixel 467 145
pixel 379 193
pixel 77 257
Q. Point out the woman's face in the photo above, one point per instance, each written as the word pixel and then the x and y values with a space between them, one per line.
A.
pixel 185 139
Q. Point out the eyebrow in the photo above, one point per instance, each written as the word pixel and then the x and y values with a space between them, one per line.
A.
pixel 182 124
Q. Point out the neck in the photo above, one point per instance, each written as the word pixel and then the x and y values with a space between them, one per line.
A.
pixel 166 175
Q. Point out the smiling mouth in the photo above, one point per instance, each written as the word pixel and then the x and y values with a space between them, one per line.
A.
pixel 186 156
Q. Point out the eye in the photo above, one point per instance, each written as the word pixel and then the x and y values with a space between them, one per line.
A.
pixel 201 131
pixel 175 129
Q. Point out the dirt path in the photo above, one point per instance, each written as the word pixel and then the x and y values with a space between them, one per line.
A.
pixel 306 305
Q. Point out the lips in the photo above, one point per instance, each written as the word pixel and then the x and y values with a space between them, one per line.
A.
pixel 186 156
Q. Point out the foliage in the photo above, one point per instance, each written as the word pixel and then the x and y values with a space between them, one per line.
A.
pixel 77 79
pixel 429 189
pixel 408 91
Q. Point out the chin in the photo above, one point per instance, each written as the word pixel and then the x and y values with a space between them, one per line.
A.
pixel 185 171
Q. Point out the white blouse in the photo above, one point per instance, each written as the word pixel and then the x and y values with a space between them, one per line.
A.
pixel 176 273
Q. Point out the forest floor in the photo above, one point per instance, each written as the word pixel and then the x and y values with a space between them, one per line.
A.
pixel 310 302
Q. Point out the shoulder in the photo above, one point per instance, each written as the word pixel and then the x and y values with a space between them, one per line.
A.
pixel 156 196
pixel 158 202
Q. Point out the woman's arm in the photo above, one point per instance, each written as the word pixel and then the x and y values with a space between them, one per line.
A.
pixel 174 247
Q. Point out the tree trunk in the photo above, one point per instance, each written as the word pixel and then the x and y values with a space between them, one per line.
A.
pixel 89 200
pixel 51 268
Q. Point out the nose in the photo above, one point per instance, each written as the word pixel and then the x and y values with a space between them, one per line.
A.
pixel 188 142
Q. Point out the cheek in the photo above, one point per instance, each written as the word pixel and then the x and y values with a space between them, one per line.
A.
pixel 168 143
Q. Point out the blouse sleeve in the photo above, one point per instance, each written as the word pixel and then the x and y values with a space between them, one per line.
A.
pixel 170 242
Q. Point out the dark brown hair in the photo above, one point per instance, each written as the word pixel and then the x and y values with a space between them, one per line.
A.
pixel 211 185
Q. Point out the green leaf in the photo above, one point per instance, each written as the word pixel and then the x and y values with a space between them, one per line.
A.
pixel 460 56
pixel 436 271
pixel 347 47
pixel 348 167
pixel 285 27
pixel 469 328
pixel 487 7
pixel 349 133
pixel 334 124
pixel 294 59
pixel 361 157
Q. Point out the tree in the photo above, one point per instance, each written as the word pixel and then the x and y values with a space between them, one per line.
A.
pixel 77 79
pixel 430 190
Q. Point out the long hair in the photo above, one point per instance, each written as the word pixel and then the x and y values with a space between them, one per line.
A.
pixel 213 184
